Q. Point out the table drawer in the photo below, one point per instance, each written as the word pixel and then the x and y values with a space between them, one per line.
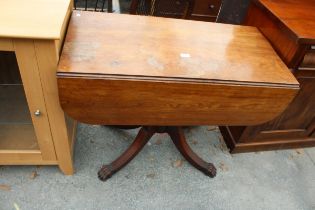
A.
pixel 207 7
pixel 309 60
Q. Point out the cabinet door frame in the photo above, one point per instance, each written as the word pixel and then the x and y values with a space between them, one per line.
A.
pixel 24 50
pixel 63 139
pixel 28 65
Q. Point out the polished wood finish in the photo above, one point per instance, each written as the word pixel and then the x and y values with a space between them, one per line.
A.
pixel 33 32
pixel 167 72
pixel 173 101
pixel 287 25
pixel 178 137
pixel 296 16
pixel 282 38
pixel 170 48
pixel 144 135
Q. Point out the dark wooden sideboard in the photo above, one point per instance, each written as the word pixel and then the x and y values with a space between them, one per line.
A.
pixel 289 25
pixel 204 10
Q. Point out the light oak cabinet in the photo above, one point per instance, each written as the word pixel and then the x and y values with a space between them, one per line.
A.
pixel 33 128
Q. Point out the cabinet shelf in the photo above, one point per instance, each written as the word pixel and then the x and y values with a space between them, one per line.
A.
pixel 18 137
pixel 16 128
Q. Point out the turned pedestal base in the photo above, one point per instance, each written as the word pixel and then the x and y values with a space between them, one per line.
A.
pixel 144 135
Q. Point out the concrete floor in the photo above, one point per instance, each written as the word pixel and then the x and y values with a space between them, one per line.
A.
pixel 155 180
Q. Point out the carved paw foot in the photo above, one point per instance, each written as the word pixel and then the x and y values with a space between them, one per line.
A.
pixel 210 170
pixel 105 173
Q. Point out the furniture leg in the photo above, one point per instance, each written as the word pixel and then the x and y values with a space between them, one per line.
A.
pixel 144 135
pixel 178 137
pixel 110 6
pixel 142 138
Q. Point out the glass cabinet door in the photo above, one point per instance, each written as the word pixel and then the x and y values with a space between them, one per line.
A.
pixel 24 124
pixel 16 127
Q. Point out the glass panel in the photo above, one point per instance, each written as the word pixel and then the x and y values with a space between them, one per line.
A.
pixel 16 127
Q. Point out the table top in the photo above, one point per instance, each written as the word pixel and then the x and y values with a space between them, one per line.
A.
pixel 153 48
pixel 39 19
pixel 135 70
pixel 298 16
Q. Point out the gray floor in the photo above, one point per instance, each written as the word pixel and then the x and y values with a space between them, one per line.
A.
pixel 155 179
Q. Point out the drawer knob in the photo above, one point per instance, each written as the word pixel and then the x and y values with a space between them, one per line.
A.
pixel 211 6
pixel 37 113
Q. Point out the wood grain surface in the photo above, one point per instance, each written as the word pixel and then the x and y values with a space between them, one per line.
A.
pixel 289 26
pixel 129 45
pixel 298 16
pixel 135 102
pixel 125 70
pixel 42 19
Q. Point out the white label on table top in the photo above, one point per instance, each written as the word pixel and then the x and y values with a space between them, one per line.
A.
pixel 185 55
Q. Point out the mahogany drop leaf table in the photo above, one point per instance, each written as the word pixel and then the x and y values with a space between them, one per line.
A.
pixel 165 73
